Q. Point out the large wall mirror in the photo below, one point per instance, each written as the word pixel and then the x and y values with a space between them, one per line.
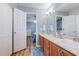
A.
pixel 68 26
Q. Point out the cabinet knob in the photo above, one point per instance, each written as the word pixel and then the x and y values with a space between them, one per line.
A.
pixel 60 52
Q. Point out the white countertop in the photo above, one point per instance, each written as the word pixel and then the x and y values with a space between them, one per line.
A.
pixel 71 48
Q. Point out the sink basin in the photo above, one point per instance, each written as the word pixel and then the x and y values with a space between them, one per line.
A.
pixel 70 43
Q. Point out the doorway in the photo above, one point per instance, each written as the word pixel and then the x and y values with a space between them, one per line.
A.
pixel 31 30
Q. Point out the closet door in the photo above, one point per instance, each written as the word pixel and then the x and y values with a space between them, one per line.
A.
pixel 19 30
pixel 68 25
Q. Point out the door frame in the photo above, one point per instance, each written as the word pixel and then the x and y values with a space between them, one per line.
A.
pixel 12 30
pixel 36 26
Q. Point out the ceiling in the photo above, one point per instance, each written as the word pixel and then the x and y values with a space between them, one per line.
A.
pixel 67 6
pixel 36 5
pixel 43 7
pixel 32 7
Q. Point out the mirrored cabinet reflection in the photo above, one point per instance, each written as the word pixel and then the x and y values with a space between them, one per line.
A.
pixel 61 26
pixel 59 23
pixel 68 26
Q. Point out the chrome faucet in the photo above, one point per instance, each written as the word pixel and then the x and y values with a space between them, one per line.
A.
pixel 59 35
pixel 76 39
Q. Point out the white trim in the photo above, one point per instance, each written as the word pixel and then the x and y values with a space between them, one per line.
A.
pixel 36 31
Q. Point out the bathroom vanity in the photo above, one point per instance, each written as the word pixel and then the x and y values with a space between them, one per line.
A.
pixel 61 35
pixel 53 46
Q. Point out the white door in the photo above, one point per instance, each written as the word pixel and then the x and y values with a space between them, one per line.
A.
pixel 68 25
pixel 19 30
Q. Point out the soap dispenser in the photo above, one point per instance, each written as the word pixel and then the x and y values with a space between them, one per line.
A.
pixel 51 28
pixel 44 28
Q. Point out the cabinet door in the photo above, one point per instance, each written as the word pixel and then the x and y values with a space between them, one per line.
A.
pixel 68 25
pixel 41 42
pixel 46 47
pixel 66 53
pixel 54 50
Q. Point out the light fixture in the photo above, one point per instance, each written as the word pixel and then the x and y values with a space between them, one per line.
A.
pixel 50 10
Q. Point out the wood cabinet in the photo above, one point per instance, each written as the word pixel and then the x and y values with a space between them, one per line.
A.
pixel 44 44
pixel 41 42
pixel 51 49
pixel 54 50
pixel 46 47
pixel 66 53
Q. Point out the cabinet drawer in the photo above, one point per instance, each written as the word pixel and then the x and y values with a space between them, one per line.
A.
pixel 54 49
pixel 41 41
pixel 46 47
